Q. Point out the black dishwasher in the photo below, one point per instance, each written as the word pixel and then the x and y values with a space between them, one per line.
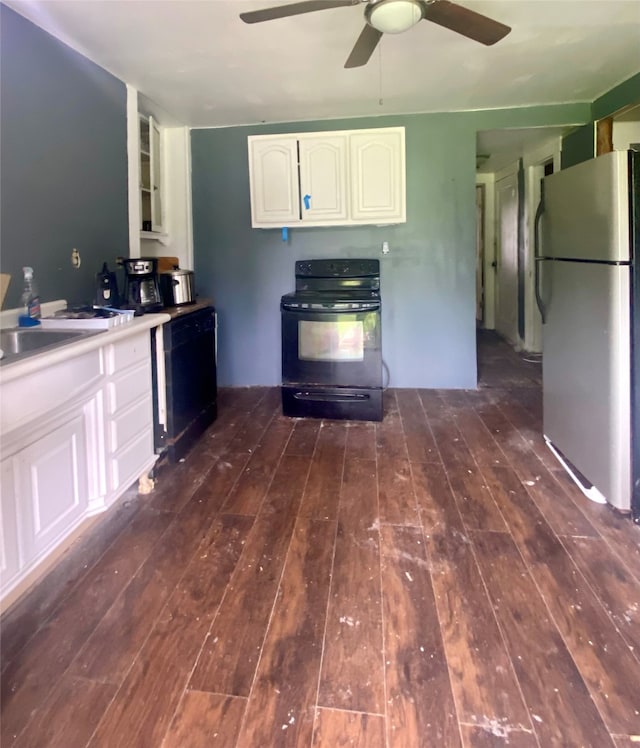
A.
pixel 188 368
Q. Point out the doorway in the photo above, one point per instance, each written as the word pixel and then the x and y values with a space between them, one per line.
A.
pixel 480 255
pixel 507 258
pixel 511 178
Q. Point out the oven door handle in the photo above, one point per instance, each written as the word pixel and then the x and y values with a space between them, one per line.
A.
pixel 365 306
pixel 330 397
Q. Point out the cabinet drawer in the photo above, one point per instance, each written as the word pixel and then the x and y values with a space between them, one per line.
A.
pixel 128 352
pixel 130 386
pixel 127 465
pixel 128 424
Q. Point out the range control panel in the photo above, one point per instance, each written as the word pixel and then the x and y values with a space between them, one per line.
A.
pixel 341 268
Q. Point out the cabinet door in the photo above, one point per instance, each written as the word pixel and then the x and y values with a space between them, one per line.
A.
pixel 145 173
pixel 323 179
pixel 157 221
pixel 377 160
pixel 150 143
pixel 53 475
pixel 273 177
pixel 9 542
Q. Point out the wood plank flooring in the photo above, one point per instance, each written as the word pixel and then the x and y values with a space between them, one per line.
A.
pixel 432 580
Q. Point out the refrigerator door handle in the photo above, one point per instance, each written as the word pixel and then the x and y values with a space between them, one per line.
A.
pixel 536 253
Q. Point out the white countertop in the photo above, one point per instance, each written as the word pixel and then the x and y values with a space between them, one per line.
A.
pixel 10 371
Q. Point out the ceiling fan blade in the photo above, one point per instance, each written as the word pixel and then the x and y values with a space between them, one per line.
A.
pixel 295 9
pixel 363 48
pixel 466 22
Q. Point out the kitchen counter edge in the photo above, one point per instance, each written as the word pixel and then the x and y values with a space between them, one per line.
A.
pixel 11 371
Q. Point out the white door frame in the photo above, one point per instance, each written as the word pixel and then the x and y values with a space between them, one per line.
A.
pixel 480 218
pixel 489 237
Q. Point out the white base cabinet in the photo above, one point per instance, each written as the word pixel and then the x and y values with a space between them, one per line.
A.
pixel 129 412
pixel 84 441
pixel 342 178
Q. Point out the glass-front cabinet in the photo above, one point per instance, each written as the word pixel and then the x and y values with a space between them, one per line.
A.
pixel 150 175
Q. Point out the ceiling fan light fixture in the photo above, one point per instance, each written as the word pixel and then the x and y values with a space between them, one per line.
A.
pixel 394 16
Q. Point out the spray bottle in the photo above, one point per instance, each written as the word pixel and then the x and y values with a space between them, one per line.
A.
pixel 30 301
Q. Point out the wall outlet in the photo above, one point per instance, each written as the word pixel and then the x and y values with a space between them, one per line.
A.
pixel 76 260
pixel 385 248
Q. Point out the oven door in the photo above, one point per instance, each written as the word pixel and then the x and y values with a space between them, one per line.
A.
pixel 335 344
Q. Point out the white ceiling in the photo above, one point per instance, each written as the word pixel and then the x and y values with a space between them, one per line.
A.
pixel 206 68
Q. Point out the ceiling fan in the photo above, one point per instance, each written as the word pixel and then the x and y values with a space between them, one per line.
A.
pixel 393 17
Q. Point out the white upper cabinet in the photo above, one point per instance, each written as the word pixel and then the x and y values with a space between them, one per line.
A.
pixel 378 176
pixel 323 179
pixel 273 174
pixel 343 178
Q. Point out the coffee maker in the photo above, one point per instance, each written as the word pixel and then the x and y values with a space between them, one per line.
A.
pixel 142 290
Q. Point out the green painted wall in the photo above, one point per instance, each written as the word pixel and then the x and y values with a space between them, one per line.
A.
pixel 580 145
pixel 428 279
pixel 63 180
pixel 627 92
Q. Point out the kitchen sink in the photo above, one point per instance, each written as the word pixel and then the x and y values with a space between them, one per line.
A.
pixel 18 343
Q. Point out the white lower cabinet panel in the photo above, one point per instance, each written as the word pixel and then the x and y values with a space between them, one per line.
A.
pixel 53 479
pixel 126 425
pixel 128 464
pixel 122 355
pixel 130 386
pixel 53 387
pixel 130 416
pixel 9 548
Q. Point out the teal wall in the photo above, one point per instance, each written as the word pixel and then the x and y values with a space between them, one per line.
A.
pixel 63 149
pixel 627 92
pixel 580 145
pixel 428 279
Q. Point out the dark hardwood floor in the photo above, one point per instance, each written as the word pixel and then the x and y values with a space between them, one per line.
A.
pixel 432 580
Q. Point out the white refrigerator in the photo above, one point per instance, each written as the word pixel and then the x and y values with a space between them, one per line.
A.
pixel 587 292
